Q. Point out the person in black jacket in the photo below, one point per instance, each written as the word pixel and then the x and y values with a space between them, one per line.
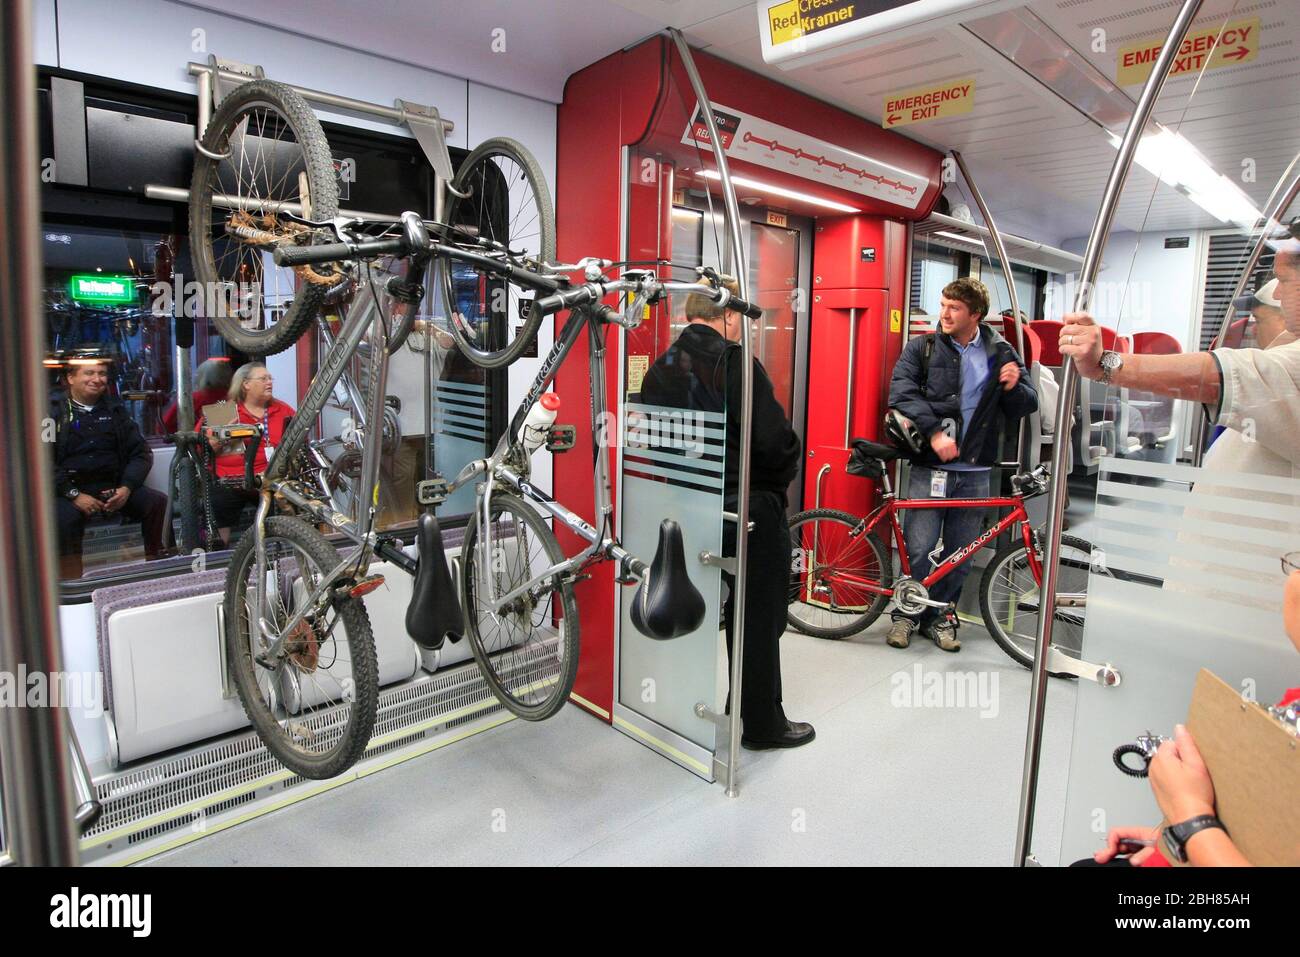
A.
pixel 958 385
pixel 701 371
pixel 100 464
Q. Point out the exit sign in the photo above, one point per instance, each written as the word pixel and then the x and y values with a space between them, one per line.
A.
pixel 106 289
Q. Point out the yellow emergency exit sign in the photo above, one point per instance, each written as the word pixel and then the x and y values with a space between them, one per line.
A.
pixel 1228 44
pixel 928 103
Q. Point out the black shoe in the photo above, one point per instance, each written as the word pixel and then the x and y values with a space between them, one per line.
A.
pixel 796 733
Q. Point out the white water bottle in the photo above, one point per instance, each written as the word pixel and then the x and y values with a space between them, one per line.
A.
pixel 532 434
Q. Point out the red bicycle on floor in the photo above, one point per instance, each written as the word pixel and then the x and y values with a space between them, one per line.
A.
pixel 842 577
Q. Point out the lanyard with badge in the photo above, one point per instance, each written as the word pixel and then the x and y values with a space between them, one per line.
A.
pixel 267 447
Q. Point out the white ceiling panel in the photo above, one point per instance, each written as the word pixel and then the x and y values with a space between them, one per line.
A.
pixel 1036 158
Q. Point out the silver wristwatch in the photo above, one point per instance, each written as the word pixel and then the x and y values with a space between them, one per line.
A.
pixel 1111 362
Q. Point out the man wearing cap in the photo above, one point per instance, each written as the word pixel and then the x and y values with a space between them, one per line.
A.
pixel 702 371
pixel 1265 322
pixel 1253 393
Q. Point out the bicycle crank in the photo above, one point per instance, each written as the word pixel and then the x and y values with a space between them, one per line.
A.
pixel 912 598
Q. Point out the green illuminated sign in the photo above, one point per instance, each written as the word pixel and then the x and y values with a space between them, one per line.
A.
pixel 98 288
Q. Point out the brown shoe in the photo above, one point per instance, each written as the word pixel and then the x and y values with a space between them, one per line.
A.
pixel 900 633
pixel 944 634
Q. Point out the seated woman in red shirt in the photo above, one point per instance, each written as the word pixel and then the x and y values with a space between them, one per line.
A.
pixel 250 390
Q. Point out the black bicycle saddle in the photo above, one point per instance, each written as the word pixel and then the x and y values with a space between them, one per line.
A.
pixel 666 605
pixel 434 612
pixel 875 450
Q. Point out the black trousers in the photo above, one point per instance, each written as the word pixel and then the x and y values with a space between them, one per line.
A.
pixel 229 503
pixel 767 583
pixel 145 506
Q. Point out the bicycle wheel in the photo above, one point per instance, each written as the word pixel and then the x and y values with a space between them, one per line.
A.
pixel 528 652
pixel 831 560
pixel 315 710
pixel 188 506
pixel 274 154
pixel 508 206
pixel 1009 600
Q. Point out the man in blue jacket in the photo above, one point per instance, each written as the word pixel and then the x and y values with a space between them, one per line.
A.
pixel 957 385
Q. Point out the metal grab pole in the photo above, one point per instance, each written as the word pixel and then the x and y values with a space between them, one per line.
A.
pixel 1275 215
pixel 185 354
pixel 1065 410
pixel 746 414
pixel 1001 250
pixel 36 779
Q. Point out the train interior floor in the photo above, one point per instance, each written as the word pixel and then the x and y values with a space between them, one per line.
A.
pixel 888 780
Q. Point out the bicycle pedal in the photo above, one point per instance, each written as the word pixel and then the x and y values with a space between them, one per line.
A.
pixel 561 438
pixel 431 491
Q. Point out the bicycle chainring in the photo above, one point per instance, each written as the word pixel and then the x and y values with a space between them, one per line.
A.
pixel 910 596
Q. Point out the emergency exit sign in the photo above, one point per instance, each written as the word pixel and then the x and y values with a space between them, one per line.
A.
pixel 1229 44
pixel 104 289
pixel 929 103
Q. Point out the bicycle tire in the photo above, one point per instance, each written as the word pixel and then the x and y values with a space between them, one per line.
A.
pixel 290 108
pixel 538 242
pixel 359 696
pixel 187 496
pixel 1067 632
pixel 505 670
pixel 832 529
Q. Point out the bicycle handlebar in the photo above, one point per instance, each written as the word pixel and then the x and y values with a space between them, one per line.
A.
pixel 649 286
pixel 334 252
pixel 403 246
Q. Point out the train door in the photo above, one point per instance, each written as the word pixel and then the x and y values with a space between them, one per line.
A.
pixel 779 248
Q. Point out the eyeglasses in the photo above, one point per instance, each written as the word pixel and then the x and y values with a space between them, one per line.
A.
pixel 260 378
pixel 1290 563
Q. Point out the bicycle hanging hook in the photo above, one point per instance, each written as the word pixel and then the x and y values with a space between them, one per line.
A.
pixel 198 145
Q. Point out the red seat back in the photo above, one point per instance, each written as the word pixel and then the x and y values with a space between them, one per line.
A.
pixel 1033 345
pixel 1155 344
pixel 1049 340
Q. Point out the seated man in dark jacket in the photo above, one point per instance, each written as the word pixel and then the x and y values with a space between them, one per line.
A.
pixel 100 463
pixel 702 371
pixel 957 385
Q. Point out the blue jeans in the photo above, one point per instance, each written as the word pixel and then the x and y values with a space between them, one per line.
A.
pixel 957 527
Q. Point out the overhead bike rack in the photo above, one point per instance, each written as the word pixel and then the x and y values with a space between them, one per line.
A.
pixel 215 80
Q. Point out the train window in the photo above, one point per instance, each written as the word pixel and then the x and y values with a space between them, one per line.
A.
pixel 933 267
pixel 116 269
pixel 1029 283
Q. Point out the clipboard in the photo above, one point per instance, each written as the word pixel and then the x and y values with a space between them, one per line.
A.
pixel 1255 763
pixel 224 413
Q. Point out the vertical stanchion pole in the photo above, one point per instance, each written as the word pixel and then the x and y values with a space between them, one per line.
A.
pixel 1064 412
pixel 34 751
pixel 184 354
pixel 1000 250
pixel 746 412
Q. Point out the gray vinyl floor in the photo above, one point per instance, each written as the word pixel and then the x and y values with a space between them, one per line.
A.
pixel 885 783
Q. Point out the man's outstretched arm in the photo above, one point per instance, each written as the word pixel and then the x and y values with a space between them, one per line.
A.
pixel 1193 376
